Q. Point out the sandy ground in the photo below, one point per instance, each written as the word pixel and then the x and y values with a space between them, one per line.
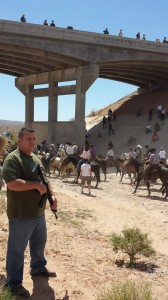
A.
pixel 79 247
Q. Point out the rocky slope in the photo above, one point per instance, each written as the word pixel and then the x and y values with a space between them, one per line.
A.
pixel 129 129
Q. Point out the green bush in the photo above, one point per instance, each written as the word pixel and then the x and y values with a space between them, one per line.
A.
pixel 6 295
pixel 132 241
pixel 127 290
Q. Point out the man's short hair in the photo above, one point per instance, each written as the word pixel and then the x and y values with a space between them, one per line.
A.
pixel 23 130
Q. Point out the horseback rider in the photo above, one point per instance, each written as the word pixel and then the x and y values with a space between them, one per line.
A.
pixel 131 154
pixel 85 155
pixel 52 152
pixel 92 152
pixel 146 153
pixel 139 152
pixel 152 165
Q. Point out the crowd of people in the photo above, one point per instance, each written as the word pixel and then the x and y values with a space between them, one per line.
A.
pixel 150 157
pixel 105 31
pixel 25 191
pixel 107 121
pixel 154 128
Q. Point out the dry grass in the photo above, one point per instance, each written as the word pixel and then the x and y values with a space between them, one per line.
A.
pixel 2 202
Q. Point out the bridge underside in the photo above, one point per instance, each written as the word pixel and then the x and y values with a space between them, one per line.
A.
pixel 20 61
pixel 139 73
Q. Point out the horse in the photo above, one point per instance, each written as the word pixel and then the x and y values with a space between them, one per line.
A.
pixel 160 173
pixel 54 164
pixel 102 163
pixel 71 159
pixel 110 163
pixel 127 168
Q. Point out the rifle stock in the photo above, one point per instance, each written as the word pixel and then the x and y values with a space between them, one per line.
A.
pixel 47 196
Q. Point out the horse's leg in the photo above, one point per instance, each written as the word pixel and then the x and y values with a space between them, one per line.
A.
pixel 59 172
pixel 122 174
pixel 129 174
pixel 148 187
pixel 162 187
pixel 118 170
pixel 105 172
pixel 96 170
pixel 77 175
pixel 138 180
pixel 97 175
pixel 166 189
pixel 62 173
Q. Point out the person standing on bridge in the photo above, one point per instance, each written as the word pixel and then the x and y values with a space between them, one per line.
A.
pixel 106 31
pixel 23 19
pixel 138 36
pixel 52 23
pixel 120 33
pixel 144 36
pixel 45 23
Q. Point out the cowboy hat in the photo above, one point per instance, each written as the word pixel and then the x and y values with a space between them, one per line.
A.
pixel 139 146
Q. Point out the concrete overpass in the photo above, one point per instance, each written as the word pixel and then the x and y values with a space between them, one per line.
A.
pixel 38 54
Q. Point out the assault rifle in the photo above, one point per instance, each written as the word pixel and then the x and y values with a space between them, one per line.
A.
pixel 38 169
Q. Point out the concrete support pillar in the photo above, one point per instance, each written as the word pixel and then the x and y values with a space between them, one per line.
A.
pixel 80 123
pixel 29 105
pixel 52 110
pixel 54 131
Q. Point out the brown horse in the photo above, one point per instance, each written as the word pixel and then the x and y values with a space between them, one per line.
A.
pixel 129 169
pixel 160 173
pixel 110 163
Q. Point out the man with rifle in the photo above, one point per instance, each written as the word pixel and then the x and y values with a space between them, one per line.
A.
pixel 26 201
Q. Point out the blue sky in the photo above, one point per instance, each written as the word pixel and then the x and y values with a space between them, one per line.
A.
pixel 149 17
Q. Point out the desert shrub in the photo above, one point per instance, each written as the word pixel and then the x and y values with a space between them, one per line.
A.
pixel 6 295
pixel 127 290
pixel 4 292
pixel 132 241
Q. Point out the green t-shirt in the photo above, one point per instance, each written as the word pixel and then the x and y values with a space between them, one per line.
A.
pixel 25 204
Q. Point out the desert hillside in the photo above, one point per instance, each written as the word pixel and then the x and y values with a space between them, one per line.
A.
pixel 11 126
pixel 129 129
